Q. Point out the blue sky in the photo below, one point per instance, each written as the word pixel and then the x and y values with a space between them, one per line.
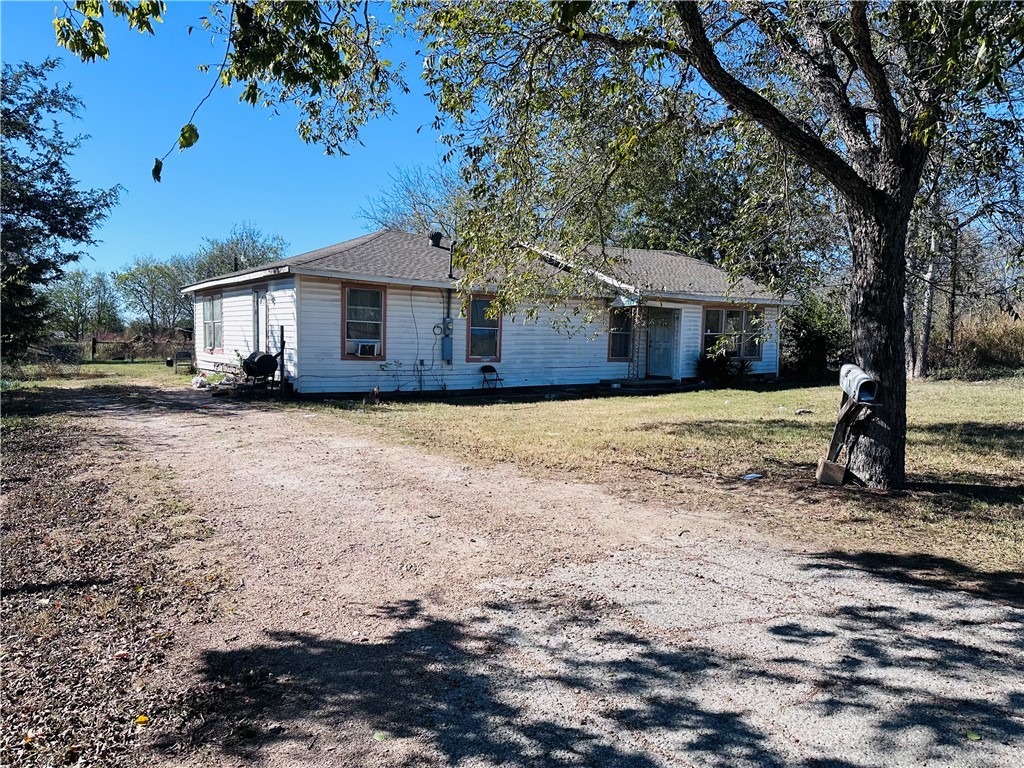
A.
pixel 248 165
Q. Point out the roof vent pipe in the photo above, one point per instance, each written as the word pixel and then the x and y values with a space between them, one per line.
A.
pixel 435 239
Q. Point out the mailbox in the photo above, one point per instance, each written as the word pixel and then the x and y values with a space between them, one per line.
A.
pixel 860 392
pixel 858 385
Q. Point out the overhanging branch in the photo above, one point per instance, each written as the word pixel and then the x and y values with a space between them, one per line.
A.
pixel 790 134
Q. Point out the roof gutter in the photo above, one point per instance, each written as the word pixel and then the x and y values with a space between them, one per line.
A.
pixel 217 282
pixel 359 277
pixel 716 297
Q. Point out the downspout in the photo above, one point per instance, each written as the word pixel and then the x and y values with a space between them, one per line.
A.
pixel 296 379
pixel 446 321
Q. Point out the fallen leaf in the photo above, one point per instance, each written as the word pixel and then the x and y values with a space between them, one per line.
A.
pixel 973 736
pixel 141 720
pixel 379 736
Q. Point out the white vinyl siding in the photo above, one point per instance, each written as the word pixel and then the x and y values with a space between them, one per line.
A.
pixel 532 354
pixel 237 336
pixel 769 362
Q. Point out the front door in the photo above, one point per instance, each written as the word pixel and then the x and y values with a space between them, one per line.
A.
pixel 661 341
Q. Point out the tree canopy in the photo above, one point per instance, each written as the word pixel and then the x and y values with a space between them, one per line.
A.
pixel 81 304
pixel 46 216
pixel 245 246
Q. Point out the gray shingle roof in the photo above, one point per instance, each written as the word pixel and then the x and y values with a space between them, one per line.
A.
pixel 405 256
pixel 671 272
pixel 386 253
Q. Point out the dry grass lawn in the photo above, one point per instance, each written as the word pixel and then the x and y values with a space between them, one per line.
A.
pixel 965 459
pixel 103 373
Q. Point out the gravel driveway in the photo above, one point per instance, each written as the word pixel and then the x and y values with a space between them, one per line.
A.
pixel 397 608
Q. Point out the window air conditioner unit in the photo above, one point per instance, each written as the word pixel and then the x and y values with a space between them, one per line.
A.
pixel 367 349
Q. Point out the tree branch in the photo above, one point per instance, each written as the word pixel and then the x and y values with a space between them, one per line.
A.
pixel 821 78
pixel 790 134
pixel 877 80
pixel 621 44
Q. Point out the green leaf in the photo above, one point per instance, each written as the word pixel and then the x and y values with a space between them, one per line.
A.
pixel 379 736
pixel 973 736
pixel 565 13
pixel 158 166
pixel 189 136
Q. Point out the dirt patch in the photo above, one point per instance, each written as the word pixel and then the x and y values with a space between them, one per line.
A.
pixel 91 606
pixel 378 605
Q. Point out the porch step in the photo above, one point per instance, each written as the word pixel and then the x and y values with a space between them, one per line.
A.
pixel 633 386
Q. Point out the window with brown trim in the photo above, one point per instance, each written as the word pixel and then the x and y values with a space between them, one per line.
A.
pixel 213 322
pixel 363 321
pixel 620 334
pixel 739 330
pixel 483 343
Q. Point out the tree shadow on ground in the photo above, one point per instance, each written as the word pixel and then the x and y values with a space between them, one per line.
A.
pixel 594 693
pixel 120 400
pixel 450 687
pixel 958 437
pixel 930 572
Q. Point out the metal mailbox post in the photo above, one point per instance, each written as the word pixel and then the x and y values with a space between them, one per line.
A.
pixel 860 393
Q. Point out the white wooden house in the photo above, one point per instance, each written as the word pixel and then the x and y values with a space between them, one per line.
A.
pixel 379 310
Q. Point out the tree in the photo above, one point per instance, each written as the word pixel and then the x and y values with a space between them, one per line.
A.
pixel 150 289
pixel 755 212
pixel 245 247
pixel 419 199
pixel 549 104
pixel 46 217
pixel 82 304
pixel 815 333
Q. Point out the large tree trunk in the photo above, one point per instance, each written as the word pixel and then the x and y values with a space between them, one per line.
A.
pixel 877 445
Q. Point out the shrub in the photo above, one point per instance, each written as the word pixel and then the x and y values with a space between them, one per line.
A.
pixel 815 335
pixel 714 370
pixel 722 371
pixel 740 371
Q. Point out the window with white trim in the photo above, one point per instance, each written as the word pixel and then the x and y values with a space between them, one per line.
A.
pixel 484 343
pixel 620 333
pixel 739 328
pixel 213 325
pixel 364 321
